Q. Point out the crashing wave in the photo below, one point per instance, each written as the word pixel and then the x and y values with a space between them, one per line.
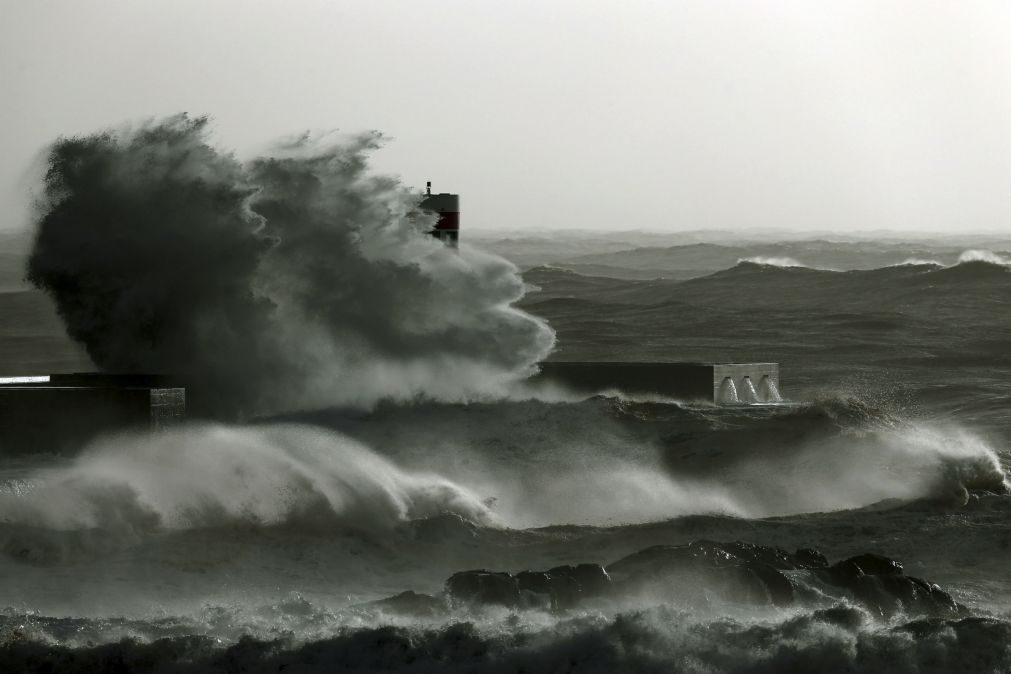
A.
pixel 917 262
pixel 599 461
pixel 293 280
pixel 612 460
pixel 220 476
pixel 982 255
pixel 785 262
pixel 966 257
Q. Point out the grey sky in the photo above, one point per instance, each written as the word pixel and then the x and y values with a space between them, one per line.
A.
pixel 662 115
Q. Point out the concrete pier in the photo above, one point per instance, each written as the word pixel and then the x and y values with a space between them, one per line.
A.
pixel 61 412
pixel 720 383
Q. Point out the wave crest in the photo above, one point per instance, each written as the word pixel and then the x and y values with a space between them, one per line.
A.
pixel 785 262
pixel 610 461
pixel 215 476
pixel 982 255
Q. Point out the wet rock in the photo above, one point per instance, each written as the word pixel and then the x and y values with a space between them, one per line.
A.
pixel 765 555
pixel 703 572
pixel 652 561
pixel 484 587
pixel 550 590
pixel 870 592
pixel 776 584
pixel 810 559
pixel 539 589
pixel 558 588
pixel 703 554
pixel 591 579
pixel 879 584
pixel 711 554
pixel 866 564
pixel 538 582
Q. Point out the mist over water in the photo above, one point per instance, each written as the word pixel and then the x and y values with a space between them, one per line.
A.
pixel 291 280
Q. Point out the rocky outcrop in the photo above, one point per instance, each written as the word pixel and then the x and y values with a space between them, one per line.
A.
pixel 706 573
pixel 879 584
pixel 558 588
pixel 702 574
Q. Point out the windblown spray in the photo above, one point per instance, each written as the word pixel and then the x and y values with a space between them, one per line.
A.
pixel 294 279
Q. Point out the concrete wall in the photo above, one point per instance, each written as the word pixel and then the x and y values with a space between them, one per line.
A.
pixel 683 381
pixel 168 407
pixel 739 372
pixel 61 419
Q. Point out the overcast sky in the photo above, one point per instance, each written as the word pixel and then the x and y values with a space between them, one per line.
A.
pixel 803 114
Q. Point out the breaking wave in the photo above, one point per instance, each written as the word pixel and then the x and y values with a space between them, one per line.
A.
pixel 294 280
pixel 614 461
pixel 983 256
pixel 219 476
pixel 773 261
pixel 967 256
pixel 918 262
pixel 837 455
pixel 601 461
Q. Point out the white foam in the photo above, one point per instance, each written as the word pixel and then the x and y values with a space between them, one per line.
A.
pixel 982 255
pixel 785 262
pixel 917 262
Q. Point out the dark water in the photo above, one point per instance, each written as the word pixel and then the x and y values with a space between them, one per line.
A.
pixel 260 548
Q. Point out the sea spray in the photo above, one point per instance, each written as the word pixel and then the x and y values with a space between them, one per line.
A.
pixel 293 280
pixel 772 261
pixel 560 463
pixel 206 476
pixel 982 255
pixel 613 461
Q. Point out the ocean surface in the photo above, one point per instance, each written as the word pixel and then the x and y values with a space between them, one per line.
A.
pixel 275 545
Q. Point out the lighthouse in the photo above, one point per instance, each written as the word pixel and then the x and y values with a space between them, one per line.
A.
pixel 447 207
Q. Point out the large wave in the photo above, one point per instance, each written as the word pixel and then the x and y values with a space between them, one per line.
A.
pixel 209 476
pixel 781 261
pixel 295 279
pixel 614 461
pixel 965 257
pixel 983 255
pixel 603 461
